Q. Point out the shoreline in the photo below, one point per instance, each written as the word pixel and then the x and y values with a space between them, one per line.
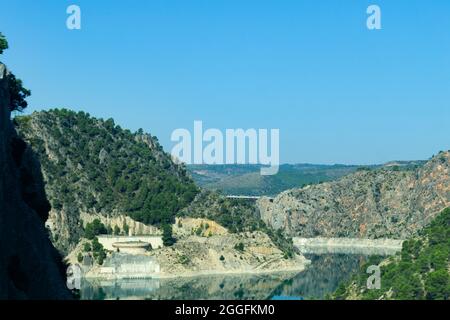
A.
pixel 385 247
pixel 196 274
pixel 348 243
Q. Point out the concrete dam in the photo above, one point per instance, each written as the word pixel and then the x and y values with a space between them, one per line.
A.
pixel 126 266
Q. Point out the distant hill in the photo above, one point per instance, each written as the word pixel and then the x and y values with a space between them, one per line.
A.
pixel 247 180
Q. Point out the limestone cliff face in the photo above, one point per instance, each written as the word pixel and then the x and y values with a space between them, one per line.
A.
pixel 383 203
pixel 30 267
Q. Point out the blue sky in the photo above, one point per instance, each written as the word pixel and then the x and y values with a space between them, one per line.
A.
pixel 338 92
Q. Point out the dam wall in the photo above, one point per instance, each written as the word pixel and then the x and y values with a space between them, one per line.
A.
pixel 121 265
pixel 348 245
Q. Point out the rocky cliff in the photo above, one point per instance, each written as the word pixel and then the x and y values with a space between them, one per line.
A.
pixel 30 267
pixel 382 203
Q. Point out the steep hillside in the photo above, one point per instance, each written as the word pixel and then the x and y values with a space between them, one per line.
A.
pixel 384 203
pixel 94 167
pixel 30 267
pixel 420 271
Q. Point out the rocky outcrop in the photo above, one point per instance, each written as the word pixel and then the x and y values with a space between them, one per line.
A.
pixel 30 267
pixel 202 247
pixel 195 256
pixel 382 203
pixel 217 251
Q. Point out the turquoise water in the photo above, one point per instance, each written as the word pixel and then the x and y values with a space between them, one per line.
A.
pixel 321 278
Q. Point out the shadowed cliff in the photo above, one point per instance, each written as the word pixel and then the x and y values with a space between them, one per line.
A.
pixel 30 267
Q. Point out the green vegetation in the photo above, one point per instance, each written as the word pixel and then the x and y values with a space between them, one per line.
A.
pixel 184 259
pixel 87 247
pixel 3 43
pixel 94 229
pixel 239 247
pixel 99 252
pixel 235 215
pixel 201 229
pixel 167 237
pixel 17 92
pixel 80 257
pixel 420 271
pixel 125 228
pixel 222 258
pixel 95 166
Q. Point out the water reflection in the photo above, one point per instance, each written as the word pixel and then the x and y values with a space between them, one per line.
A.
pixel 327 271
pixel 319 279
pixel 223 287
pixel 361 251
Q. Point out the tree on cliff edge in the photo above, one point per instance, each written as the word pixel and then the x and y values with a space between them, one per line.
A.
pixel 3 43
pixel 17 92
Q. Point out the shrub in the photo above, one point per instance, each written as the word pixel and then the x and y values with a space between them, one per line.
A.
pixel 3 43
pixel 94 229
pixel 101 257
pixel 437 285
pixel 167 238
pixel 98 251
pixel 17 93
pixel 87 247
pixel 125 228
pixel 239 247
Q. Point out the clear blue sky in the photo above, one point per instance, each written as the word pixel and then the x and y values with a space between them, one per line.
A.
pixel 338 92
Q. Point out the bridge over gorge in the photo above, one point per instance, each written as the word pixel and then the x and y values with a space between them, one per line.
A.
pixel 241 197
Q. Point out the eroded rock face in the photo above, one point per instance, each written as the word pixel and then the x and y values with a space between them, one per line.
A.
pixel 219 254
pixel 382 203
pixel 30 267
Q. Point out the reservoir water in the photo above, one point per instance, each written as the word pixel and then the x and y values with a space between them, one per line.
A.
pixel 322 277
